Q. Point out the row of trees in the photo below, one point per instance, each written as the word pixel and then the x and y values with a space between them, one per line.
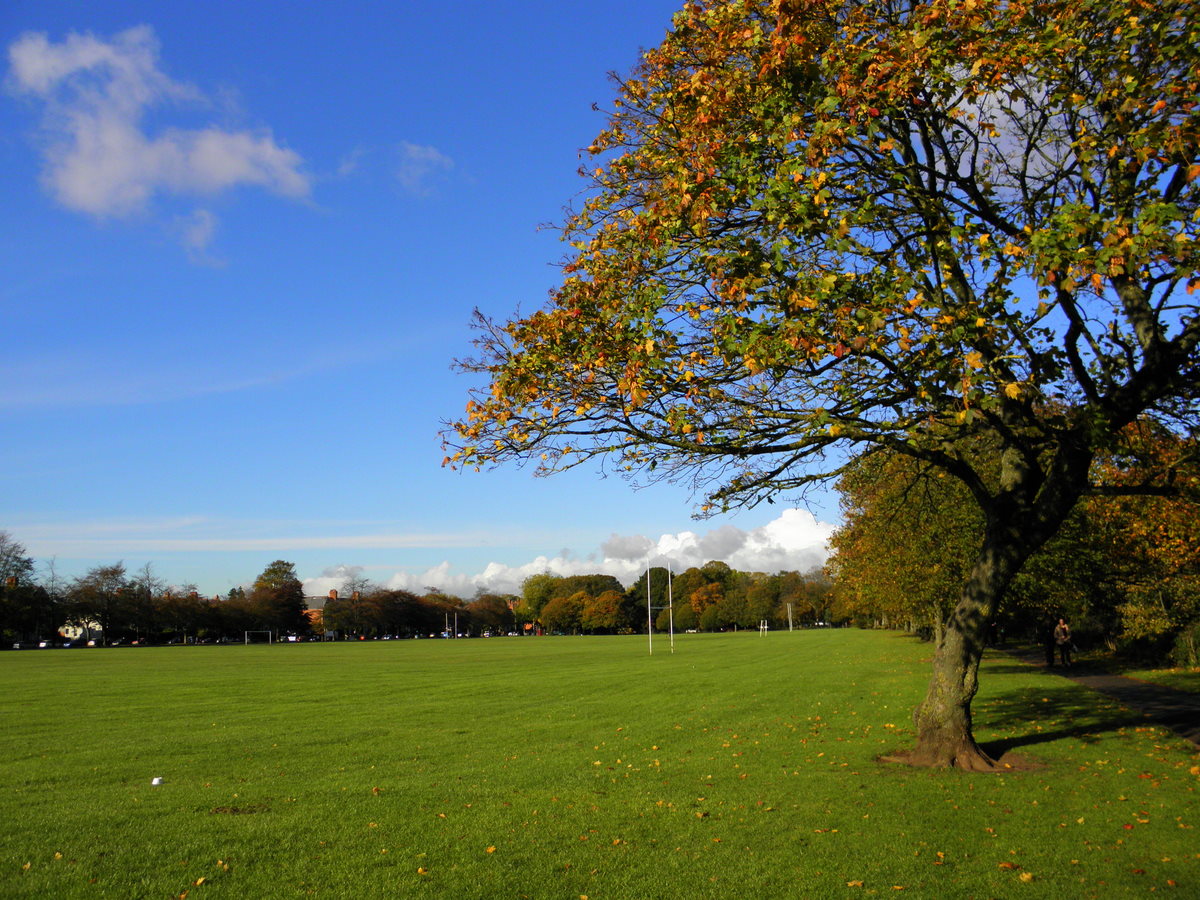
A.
pixel 108 604
pixel 1125 570
pixel 711 597
pixel 364 610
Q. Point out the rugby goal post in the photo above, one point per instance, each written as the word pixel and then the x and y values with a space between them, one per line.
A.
pixel 257 637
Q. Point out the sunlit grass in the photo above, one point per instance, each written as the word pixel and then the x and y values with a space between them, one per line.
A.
pixel 1182 679
pixel 738 766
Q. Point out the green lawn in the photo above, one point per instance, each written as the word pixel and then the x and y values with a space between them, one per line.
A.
pixel 1179 678
pixel 739 766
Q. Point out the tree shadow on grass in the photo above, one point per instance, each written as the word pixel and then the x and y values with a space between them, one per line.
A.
pixel 1027 717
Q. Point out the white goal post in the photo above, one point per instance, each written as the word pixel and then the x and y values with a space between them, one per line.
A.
pixel 250 637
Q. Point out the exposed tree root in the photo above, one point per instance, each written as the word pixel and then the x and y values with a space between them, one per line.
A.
pixel 964 759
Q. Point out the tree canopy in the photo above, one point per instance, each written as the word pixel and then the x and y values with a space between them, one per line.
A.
pixel 825 227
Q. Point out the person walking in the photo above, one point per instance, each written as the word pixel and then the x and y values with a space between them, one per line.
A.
pixel 1062 639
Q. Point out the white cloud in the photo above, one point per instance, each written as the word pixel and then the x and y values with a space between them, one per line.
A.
pixel 99 158
pixel 419 163
pixel 793 541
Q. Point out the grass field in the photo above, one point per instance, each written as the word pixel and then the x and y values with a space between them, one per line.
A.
pixel 739 766
pixel 1180 679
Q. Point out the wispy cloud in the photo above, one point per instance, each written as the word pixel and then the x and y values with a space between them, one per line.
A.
pixel 795 540
pixel 418 165
pixel 197 231
pixel 200 535
pixel 99 158
pixel 89 379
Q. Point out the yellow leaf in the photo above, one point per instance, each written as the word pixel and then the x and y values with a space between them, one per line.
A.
pixel 854 884
pixel 1012 390
pixel 491 849
pixel 975 359
pixel 1026 877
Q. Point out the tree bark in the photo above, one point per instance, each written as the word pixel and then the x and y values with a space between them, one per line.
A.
pixel 945 737
pixel 1031 511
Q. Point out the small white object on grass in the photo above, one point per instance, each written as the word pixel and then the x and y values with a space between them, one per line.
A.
pixel 156 781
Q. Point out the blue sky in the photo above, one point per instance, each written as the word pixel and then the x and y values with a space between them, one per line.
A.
pixel 241 244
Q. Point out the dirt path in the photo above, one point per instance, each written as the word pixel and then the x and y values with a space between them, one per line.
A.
pixel 1177 710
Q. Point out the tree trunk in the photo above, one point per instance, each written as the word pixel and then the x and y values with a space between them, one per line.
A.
pixel 1014 531
pixel 943 720
pixel 944 733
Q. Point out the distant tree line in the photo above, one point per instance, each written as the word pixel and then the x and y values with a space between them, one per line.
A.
pixel 110 605
pixel 712 597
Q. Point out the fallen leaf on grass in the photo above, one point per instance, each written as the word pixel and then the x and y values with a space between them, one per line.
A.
pixel 491 849
pixel 854 884
pixel 1027 877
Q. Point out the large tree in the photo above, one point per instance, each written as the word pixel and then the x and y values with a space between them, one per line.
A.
pixel 98 598
pixel 27 610
pixel 822 227
pixel 277 599
pixel 15 561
